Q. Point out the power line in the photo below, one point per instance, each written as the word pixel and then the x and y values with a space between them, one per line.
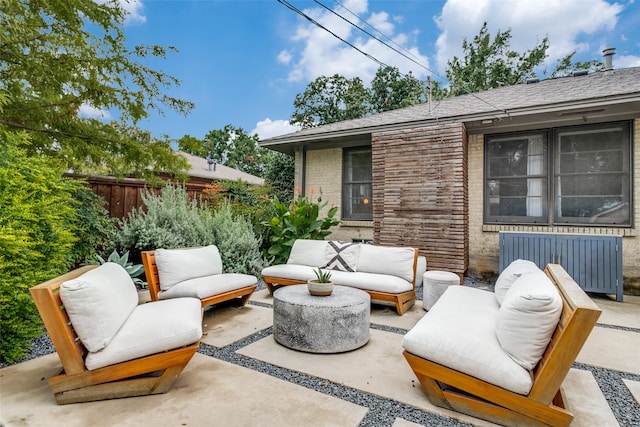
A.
pixel 373 36
pixel 316 23
pixel 313 21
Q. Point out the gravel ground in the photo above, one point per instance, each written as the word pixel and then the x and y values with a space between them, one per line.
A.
pixel 383 412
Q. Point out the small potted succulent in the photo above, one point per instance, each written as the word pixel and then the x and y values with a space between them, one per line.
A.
pixel 322 286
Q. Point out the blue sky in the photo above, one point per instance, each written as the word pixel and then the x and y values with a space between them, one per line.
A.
pixel 242 62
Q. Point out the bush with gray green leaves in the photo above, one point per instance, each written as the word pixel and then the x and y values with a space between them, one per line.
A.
pixel 173 219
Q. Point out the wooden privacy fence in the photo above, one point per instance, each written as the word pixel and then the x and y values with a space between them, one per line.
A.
pixel 121 196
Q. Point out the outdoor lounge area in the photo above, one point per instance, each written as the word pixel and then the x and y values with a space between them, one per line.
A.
pixel 241 376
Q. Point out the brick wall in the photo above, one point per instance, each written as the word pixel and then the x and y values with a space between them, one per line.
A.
pixel 324 175
pixel 483 239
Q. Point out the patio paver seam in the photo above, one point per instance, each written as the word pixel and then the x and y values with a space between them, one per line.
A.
pixel 381 411
pixel 618 396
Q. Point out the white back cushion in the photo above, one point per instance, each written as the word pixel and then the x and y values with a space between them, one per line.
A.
pixel 387 260
pixel 98 303
pixel 178 265
pixel 510 274
pixel 527 318
pixel 308 252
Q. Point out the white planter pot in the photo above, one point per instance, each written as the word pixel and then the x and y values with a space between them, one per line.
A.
pixel 319 289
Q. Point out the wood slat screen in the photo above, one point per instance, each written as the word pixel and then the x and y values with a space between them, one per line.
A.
pixel 420 193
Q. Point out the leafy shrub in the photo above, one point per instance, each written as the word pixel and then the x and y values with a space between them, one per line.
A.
pixel 279 173
pixel 251 201
pixel 238 245
pixel 171 220
pixel 298 220
pixel 37 227
pixel 94 229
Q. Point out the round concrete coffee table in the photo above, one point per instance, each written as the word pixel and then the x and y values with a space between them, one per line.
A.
pixel 332 324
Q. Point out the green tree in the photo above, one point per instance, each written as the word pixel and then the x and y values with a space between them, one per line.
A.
pixel 391 90
pixel 229 146
pixel 489 63
pixel 329 100
pixel 279 173
pixel 59 56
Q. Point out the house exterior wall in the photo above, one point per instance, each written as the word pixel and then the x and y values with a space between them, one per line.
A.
pixel 420 193
pixel 323 174
pixel 483 239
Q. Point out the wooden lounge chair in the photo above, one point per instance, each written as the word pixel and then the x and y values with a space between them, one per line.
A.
pixel 244 286
pixel 151 374
pixel 544 404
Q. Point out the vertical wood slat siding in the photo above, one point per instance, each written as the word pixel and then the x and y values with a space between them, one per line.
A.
pixel 420 195
pixel 593 261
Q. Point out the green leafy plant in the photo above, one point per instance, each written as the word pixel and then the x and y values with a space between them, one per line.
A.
pixel 298 220
pixel 173 220
pixel 169 220
pixel 323 276
pixel 134 270
pixel 238 245
pixel 37 236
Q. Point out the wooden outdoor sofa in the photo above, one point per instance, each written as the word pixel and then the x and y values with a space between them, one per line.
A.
pixel 149 365
pixel 544 403
pixel 195 272
pixel 388 274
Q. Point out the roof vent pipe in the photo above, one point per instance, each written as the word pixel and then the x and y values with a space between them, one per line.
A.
pixel 212 164
pixel 608 58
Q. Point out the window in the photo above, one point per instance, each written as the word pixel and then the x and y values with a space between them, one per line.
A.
pixel 573 175
pixel 356 184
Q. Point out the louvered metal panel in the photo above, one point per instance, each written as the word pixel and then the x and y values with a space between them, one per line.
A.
pixel 594 262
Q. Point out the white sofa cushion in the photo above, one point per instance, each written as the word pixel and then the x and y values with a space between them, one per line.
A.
pixel 203 287
pixel 98 303
pixel 290 271
pixel 365 281
pixel 152 328
pixel 308 252
pixel 510 274
pixel 394 261
pixel 371 281
pixel 341 256
pixel 459 332
pixel 178 265
pixel 527 318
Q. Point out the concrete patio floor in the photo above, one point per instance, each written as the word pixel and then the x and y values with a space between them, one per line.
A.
pixel 242 377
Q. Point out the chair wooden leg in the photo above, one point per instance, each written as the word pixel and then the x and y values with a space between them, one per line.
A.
pixel 149 375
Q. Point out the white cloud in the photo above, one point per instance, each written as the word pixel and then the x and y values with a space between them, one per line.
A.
pixel 284 57
pixel 91 112
pixel 626 61
pixel 268 128
pixel 324 54
pixel 566 23
pixel 133 9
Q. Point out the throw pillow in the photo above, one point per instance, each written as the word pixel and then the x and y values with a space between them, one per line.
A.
pixel 342 256
pixel 527 318
pixel 512 273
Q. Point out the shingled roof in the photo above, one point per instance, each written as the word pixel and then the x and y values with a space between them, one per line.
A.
pixel 200 168
pixel 551 95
